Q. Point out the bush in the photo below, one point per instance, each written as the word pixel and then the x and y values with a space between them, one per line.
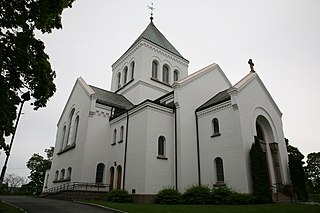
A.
pixel 197 195
pixel 240 199
pixel 168 196
pixel 119 196
pixel 219 194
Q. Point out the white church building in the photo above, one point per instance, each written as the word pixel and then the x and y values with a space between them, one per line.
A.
pixel 158 126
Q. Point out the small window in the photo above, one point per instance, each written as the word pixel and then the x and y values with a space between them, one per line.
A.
pixel 62 173
pixel 175 75
pixel 165 74
pixel 132 65
pixel 121 134
pixel 215 127
pixel 161 146
pixel 155 69
pixel 114 137
pixel 125 75
pixel 99 173
pixel 219 169
pixel 119 80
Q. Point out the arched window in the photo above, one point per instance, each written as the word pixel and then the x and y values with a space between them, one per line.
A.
pixel 69 126
pixel 132 65
pixel 125 75
pixel 155 69
pixel 119 176
pixel 63 137
pixel 165 74
pixel 175 75
pixel 215 127
pixel 62 173
pixel 121 133
pixel 219 169
pixel 75 129
pixel 161 146
pixel 69 171
pixel 56 175
pixel 119 80
pixel 114 136
pixel 99 173
pixel 111 178
pixel 259 132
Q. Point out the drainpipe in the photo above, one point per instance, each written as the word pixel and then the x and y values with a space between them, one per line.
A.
pixel 198 149
pixel 176 147
pixel 125 154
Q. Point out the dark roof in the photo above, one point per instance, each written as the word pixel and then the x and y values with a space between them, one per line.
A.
pixel 152 34
pixel 217 99
pixel 111 99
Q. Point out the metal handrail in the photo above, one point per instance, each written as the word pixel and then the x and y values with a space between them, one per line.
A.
pixel 73 186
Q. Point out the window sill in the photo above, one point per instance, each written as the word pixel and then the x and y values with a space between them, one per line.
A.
pixel 215 135
pixel 120 141
pixel 219 183
pixel 67 148
pixel 113 144
pixel 123 86
pixel 161 82
pixel 61 180
pixel 162 157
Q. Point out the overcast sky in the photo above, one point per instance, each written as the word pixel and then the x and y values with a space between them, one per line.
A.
pixel 281 36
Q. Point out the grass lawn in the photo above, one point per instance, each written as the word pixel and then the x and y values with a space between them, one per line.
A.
pixel 156 208
pixel 6 208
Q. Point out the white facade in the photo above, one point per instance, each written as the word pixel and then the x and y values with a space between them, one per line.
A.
pixel 160 128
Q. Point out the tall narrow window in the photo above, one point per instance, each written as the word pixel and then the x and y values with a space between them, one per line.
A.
pixel 63 137
pixel 62 173
pixel 47 179
pixel 119 80
pixel 114 137
pixel 56 175
pixel 132 65
pixel 99 173
pixel 111 182
pixel 119 176
pixel 75 129
pixel 175 75
pixel 154 69
pixel 69 171
pixel 161 146
pixel 121 134
pixel 165 74
pixel 215 127
pixel 219 169
pixel 125 75
pixel 69 127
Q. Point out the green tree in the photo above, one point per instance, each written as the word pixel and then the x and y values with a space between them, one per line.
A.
pixel 313 172
pixel 38 166
pixel 24 65
pixel 297 175
pixel 261 188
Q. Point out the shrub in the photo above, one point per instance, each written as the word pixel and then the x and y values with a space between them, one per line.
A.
pixel 119 196
pixel 197 195
pixel 240 199
pixel 168 196
pixel 219 194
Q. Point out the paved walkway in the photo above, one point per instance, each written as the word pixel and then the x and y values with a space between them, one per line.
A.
pixel 41 205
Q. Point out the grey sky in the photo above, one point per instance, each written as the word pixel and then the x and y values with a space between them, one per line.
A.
pixel 282 37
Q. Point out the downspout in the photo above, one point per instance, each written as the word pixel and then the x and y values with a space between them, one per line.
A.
pixel 125 154
pixel 198 149
pixel 176 147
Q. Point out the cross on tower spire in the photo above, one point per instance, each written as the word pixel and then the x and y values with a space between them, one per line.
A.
pixel 152 8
